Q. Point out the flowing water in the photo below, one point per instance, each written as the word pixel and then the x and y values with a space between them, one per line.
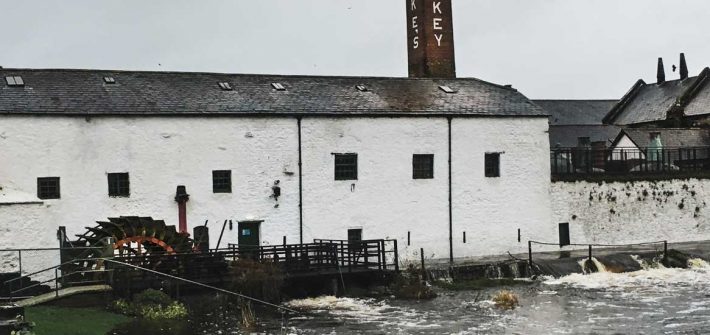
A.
pixel 655 300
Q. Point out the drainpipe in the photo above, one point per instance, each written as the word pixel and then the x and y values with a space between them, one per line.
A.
pixel 300 185
pixel 181 197
pixel 451 219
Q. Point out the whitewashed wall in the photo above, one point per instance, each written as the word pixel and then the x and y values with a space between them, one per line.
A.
pixel 385 201
pixel 163 152
pixel 633 212
pixel 491 210
pixel 159 154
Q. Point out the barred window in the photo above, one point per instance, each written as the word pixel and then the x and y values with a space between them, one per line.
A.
pixel 492 164
pixel 222 181
pixel 345 166
pixel 118 185
pixel 48 188
pixel 423 166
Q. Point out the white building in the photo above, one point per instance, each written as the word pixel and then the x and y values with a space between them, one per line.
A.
pixel 479 152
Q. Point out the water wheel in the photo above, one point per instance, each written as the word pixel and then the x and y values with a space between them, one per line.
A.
pixel 142 239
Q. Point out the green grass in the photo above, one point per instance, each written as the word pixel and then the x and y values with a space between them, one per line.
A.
pixel 51 320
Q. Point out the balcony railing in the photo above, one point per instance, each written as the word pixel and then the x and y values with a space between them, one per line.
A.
pixel 639 163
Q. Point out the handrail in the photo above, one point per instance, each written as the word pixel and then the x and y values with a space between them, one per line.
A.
pixel 600 245
pixel 63 275
pixel 52 268
pixel 49 249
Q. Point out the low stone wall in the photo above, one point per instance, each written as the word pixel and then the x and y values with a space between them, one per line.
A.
pixel 634 211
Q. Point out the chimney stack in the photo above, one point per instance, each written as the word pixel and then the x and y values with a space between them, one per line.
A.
pixel 683 67
pixel 661 74
pixel 430 39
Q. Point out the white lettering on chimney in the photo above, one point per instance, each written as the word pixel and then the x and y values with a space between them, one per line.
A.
pixel 438 39
pixel 437 23
pixel 416 42
pixel 437 7
pixel 414 5
pixel 414 22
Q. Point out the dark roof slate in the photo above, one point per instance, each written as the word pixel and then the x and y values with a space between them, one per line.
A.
pixel 567 136
pixel 576 112
pixel 670 137
pixel 652 102
pixel 56 91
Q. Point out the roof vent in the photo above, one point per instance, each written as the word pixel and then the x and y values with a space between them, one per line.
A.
pixel 362 88
pixel 225 86
pixel 278 86
pixel 109 80
pixel 14 81
pixel 447 89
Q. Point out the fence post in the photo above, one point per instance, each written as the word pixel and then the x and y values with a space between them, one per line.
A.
pixel 56 282
pixel 530 253
pixel 590 252
pixel 396 257
pixel 421 253
pixel 19 257
pixel 665 251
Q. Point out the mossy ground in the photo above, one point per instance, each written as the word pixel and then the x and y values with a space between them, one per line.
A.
pixel 479 284
pixel 50 320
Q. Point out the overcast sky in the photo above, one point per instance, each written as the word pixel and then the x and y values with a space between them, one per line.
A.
pixel 567 49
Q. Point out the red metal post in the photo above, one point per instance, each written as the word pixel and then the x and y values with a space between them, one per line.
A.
pixel 181 197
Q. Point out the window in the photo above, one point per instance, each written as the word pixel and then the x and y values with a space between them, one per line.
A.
pixel 278 86
pixel 14 81
pixel 492 162
pixel 447 89
pixel 423 166
pixel 222 181
pixel 109 80
pixel 345 166
pixel 225 86
pixel 362 88
pixel 118 185
pixel 48 188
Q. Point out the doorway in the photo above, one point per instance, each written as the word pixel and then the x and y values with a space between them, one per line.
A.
pixel 564 234
pixel 249 234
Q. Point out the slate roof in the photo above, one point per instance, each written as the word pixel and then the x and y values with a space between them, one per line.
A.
pixel 576 112
pixel 566 136
pixel 654 102
pixel 670 137
pixel 651 102
pixel 83 92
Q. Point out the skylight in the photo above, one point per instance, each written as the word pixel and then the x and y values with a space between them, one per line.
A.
pixel 278 86
pixel 362 88
pixel 14 81
pixel 109 80
pixel 447 89
pixel 225 86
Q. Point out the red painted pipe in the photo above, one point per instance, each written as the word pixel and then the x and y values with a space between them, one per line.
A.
pixel 181 197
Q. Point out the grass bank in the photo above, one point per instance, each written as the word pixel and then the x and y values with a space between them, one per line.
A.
pixel 50 320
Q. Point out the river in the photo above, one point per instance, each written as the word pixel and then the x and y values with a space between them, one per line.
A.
pixel 651 301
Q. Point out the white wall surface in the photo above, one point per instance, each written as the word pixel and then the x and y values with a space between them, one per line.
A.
pixel 491 210
pixel 386 202
pixel 159 154
pixel 633 212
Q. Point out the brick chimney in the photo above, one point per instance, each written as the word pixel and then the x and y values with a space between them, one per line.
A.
pixel 683 67
pixel 661 73
pixel 430 35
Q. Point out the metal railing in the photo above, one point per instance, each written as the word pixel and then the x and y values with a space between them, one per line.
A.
pixel 590 247
pixel 589 161
pixel 379 254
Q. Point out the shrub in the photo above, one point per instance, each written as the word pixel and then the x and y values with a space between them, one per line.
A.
pixel 411 284
pixel 262 280
pixel 151 304
pixel 506 300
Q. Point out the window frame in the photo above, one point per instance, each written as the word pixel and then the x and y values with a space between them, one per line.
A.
pixel 491 164
pixel 339 168
pixel 423 166
pixel 218 184
pixel 118 187
pixel 41 189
